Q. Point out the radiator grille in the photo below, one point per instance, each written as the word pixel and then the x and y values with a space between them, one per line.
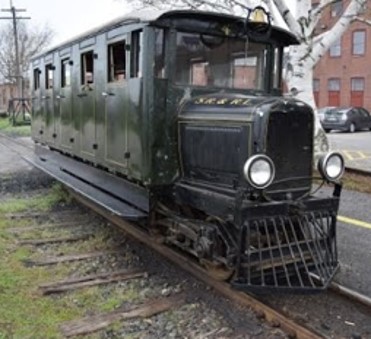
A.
pixel 213 152
pixel 290 145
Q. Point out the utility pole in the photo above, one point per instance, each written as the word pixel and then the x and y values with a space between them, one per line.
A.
pixel 18 75
pixel 14 18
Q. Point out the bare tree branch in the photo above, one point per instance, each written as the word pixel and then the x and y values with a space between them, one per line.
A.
pixel 31 41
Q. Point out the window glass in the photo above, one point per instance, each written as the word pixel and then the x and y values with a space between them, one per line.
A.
pixel 335 49
pixel 49 76
pixel 206 60
pixel 66 73
pixel 117 61
pixel 136 54
pixel 277 74
pixel 36 79
pixel 364 113
pixel 316 83
pixel 358 84
pixel 334 84
pixel 336 8
pixel 359 42
pixel 87 68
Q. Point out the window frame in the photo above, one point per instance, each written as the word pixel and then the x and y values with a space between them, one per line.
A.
pixel 65 62
pixel 49 81
pixel 36 78
pixel 335 49
pixel 112 72
pixel 363 43
pixel 84 71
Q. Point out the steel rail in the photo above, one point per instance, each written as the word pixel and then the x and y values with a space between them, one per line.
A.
pixel 273 316
pixel 352 170
pixel 293 329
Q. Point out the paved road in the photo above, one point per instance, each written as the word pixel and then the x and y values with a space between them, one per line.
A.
pixel 355 147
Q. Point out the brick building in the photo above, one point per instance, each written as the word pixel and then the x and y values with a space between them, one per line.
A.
pixel 343 75
pixel 7 92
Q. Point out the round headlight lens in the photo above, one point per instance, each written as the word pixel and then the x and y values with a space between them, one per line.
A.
pixel 332 166
pixel 259 171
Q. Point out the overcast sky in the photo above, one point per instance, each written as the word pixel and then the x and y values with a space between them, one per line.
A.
pixel 71 17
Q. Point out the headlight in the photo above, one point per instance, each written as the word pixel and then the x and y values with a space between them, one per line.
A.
pixel 331 166
pixel 259 171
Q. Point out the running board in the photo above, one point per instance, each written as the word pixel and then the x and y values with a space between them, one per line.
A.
pixel 115 194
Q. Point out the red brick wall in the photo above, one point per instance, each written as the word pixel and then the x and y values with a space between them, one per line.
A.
pixel 345 67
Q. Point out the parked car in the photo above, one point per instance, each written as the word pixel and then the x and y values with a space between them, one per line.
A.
pixel 321 111
pixel 348 119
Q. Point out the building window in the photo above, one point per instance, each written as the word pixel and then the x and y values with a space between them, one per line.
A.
pixel 336 9
pixel 49 76
pixel 117 61
pixel 333 87
pixel 66 73
pixel 87 68
pixel 136 54
pixel 357 91
pixel 359 42
pixel 335 49
pixel 357 84
pixel 36 79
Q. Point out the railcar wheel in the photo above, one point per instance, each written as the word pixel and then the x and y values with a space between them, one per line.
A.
pixel 217 271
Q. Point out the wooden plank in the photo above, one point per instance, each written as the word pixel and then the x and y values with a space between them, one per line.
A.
pixel 37 242
pixel 67 258
pixel 95 323
pixel 75 280
pixel 38 214
pixel 57 288
pixel 45 226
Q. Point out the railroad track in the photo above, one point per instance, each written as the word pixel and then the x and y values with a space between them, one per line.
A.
pixel 272 316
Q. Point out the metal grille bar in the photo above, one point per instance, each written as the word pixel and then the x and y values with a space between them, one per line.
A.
pixel 288 252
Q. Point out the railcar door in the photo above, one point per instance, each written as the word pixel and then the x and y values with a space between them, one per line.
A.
pixel 86 98
pixel 65 102
pixel 116 98
pixel 48 102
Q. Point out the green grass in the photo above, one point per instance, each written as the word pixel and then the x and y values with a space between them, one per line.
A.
pixel 40 202
pixel 20 130
pixel 24 313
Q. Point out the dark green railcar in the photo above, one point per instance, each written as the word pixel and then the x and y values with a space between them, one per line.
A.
pixel 176 120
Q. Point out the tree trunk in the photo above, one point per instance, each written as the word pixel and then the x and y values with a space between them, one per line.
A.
pixel 299 79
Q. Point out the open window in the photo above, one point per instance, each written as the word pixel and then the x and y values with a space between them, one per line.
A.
pixel 66 73
pixel 87 68
pixel 117 61
pixel 36 79
pixel 49 75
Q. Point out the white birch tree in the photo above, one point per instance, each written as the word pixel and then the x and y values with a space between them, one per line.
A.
pixel 302 58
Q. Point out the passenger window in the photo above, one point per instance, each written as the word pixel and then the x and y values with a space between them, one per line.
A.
pixel 116 61
pixel 87 68
pixel 66 73
pixel 36 79
pixel 136 54
pixel 49 76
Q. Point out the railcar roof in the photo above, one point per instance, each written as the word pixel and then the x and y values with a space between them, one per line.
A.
pixel 151 16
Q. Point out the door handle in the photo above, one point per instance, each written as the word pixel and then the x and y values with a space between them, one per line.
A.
pixel 60 96
pixel 81 95
pixel 107 94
